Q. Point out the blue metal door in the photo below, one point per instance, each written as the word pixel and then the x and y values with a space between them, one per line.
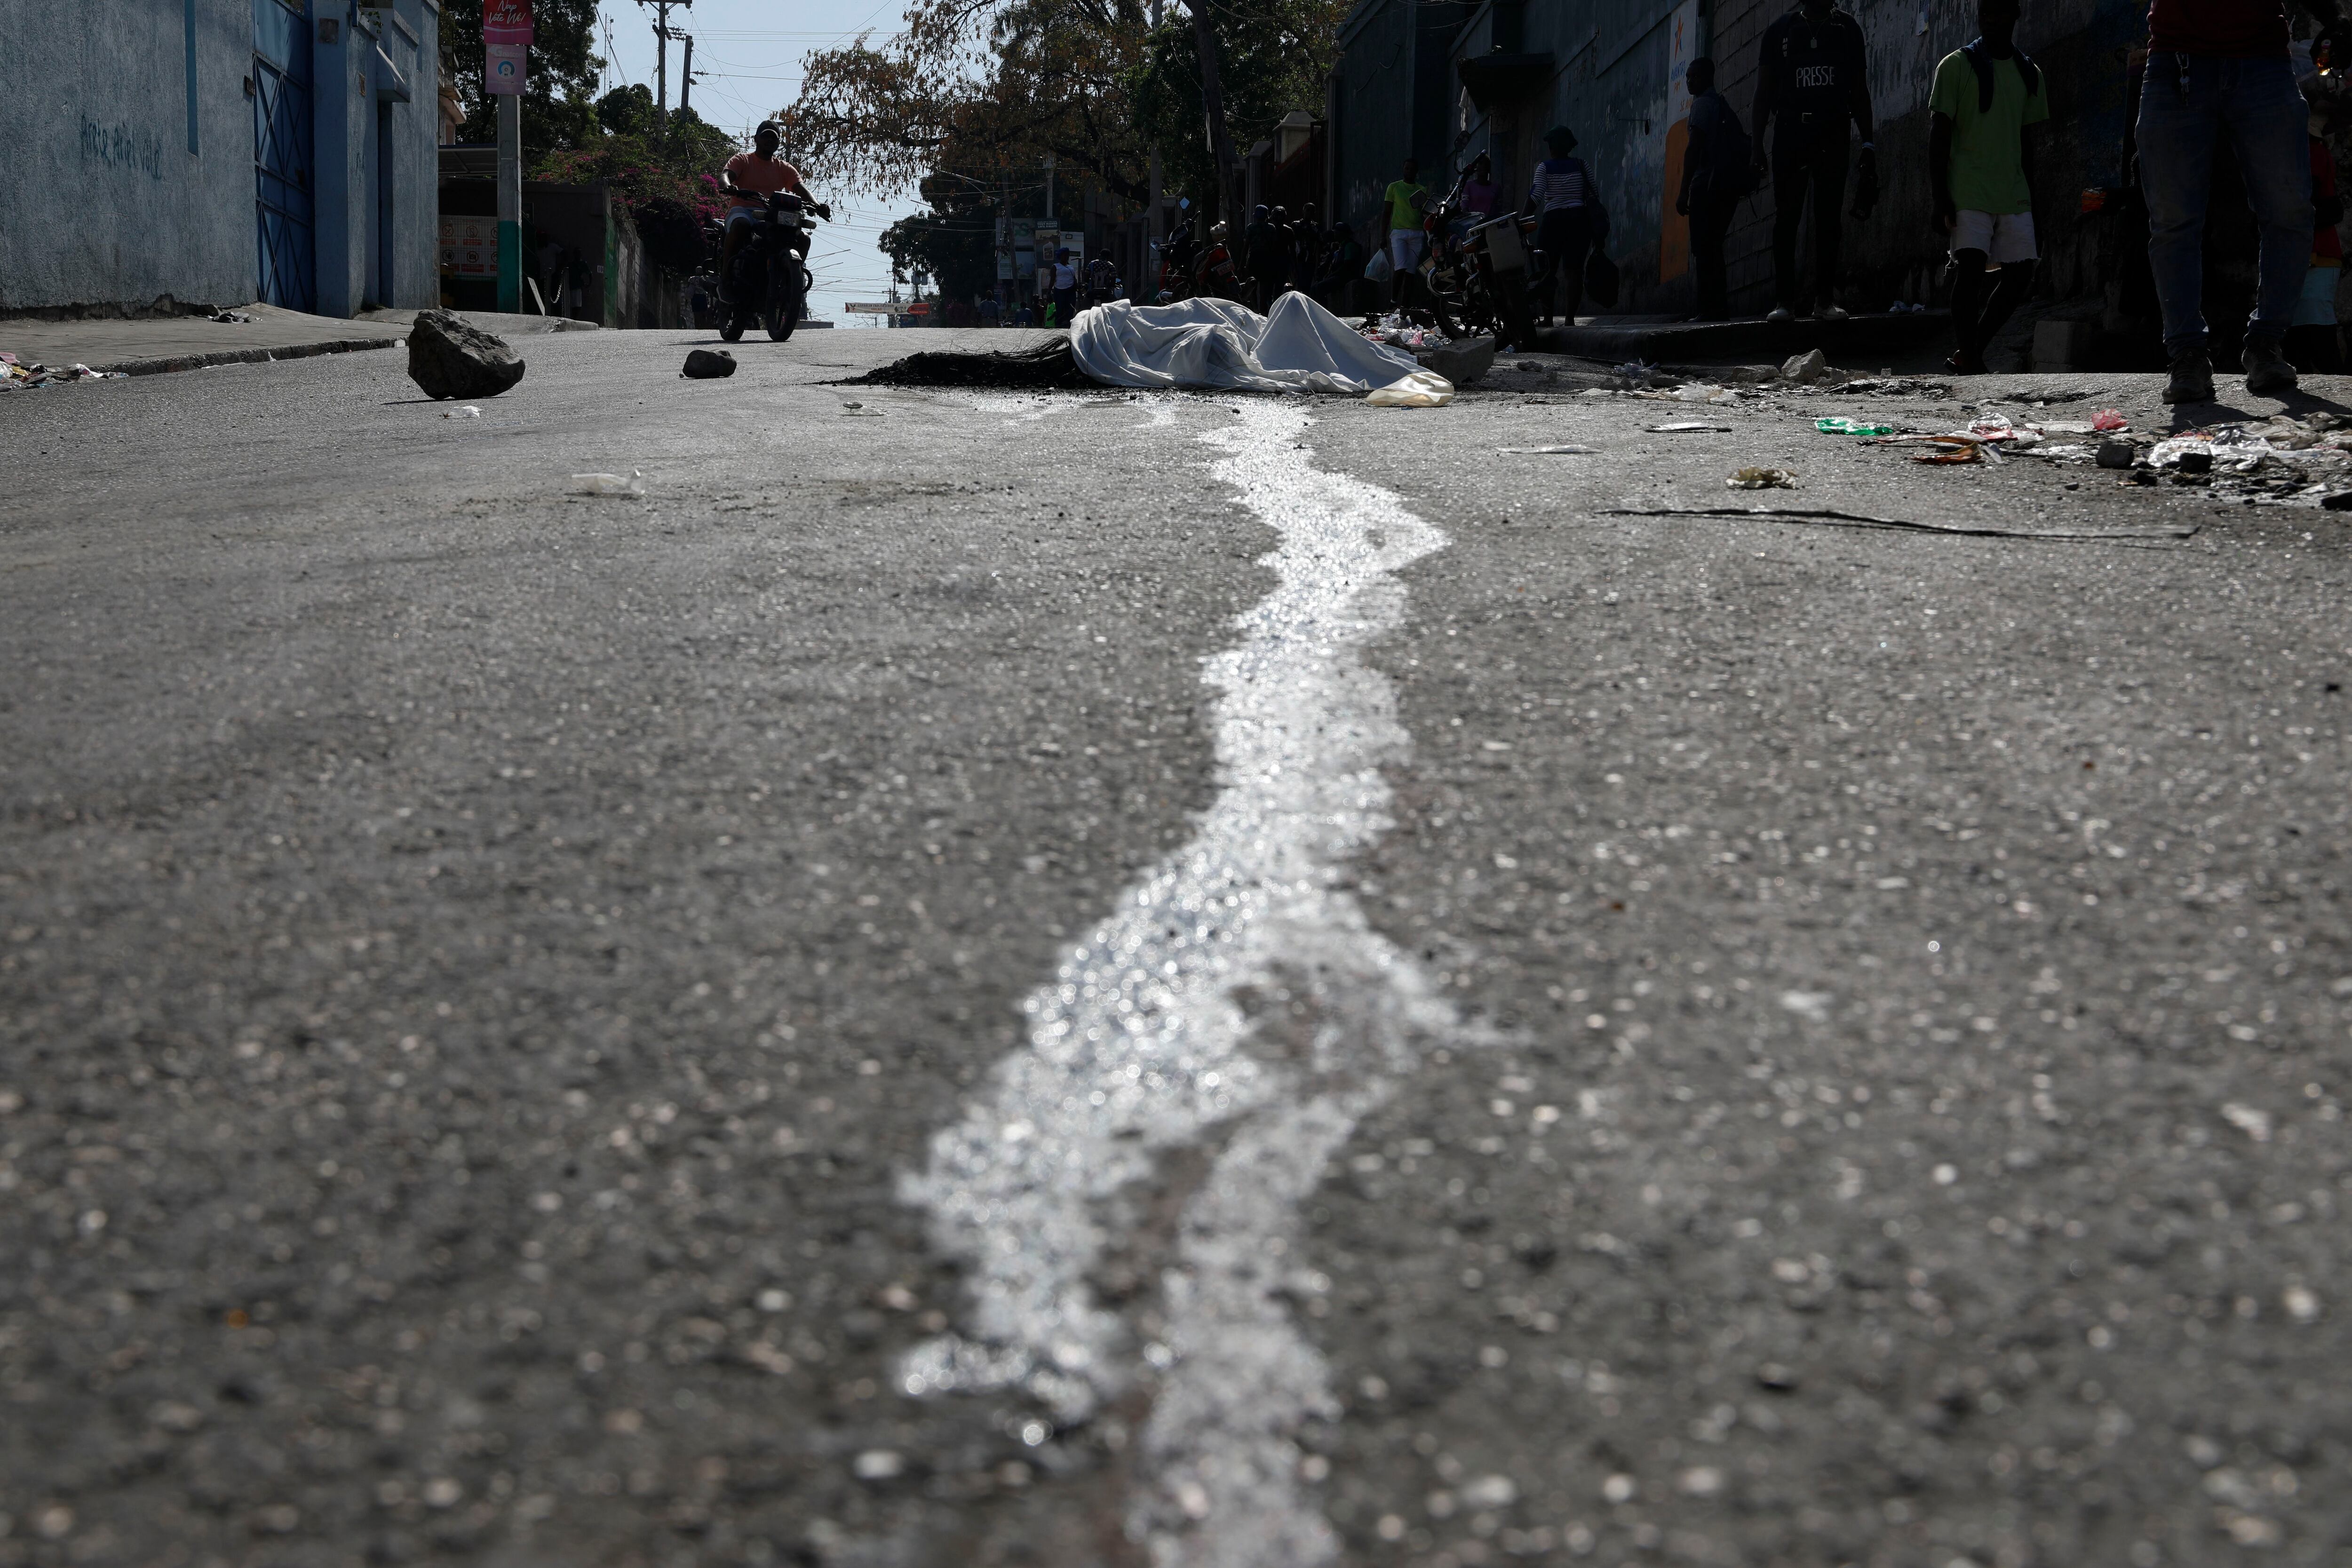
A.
pixel 284 165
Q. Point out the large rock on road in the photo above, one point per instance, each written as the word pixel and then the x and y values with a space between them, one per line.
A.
pixel 449 357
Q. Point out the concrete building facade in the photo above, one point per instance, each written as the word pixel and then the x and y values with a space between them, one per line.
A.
pixel 173 154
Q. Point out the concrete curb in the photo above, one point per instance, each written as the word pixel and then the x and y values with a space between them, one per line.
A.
pixel 245 356
pixel 1701 342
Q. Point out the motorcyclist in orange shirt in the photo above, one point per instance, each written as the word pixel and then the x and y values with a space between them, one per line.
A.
pixel 750 178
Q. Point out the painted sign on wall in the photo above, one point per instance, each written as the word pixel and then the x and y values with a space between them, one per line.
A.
pixel 469 246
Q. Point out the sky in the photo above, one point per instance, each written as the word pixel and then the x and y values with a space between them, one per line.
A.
pixel 747 63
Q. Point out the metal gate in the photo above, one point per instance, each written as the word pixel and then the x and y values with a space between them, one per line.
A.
pixel 284 165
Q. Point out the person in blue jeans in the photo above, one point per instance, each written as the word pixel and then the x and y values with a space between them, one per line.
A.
pixel 2216 69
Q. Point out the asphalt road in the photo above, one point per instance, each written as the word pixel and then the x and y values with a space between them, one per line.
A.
pixel 528 1022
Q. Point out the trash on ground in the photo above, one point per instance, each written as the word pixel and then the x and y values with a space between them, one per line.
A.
pixel 449 356
pixel 1762 479
pixel 230 316
pixel 1566 449
pixel 1682 426
pixel 17 376
pixel 1861 519
pixel 2109 419
pixel 1891 385
pixel 1838 424
pixel 859 411
pixel 467 412
pixel 609 484
pixel 1948 448
pixel 1422 389
pixel 708 364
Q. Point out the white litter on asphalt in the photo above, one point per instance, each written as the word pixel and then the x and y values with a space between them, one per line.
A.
pixel 1138 1049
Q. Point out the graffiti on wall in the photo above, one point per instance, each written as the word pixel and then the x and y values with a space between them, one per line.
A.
pixel 122 147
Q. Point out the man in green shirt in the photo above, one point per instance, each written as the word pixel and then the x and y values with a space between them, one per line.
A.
pixel 1981 170
pixel 1405 198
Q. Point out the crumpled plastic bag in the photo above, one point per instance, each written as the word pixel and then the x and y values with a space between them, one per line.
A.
pixel 609 484
pixel 1762 479
pixel 1422 389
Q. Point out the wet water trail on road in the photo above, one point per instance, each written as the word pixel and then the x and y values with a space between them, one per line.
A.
pixel 1142 1051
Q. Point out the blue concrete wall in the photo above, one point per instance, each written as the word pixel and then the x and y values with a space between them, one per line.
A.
pixel 129 173
pixel 103 201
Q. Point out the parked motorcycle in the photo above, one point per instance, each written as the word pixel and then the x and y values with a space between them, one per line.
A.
pixel 1479 283
pixel 770 281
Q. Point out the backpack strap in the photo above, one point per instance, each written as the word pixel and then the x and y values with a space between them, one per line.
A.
pixel 1981 62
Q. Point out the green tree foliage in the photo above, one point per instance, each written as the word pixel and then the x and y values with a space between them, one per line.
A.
pixel 1273 57
pixel 670 182
pixel 558 109
pixel 971 95
pixel 628 111
pixel 954 243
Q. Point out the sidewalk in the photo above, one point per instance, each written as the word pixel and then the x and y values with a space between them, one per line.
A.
pixel 190 342
pixel 1657 341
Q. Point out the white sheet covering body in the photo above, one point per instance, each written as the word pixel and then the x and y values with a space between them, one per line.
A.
pixel 1298 346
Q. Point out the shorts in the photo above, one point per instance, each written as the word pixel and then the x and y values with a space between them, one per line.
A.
pixel 2004 236
pixel 2316 308
pixel 1405 246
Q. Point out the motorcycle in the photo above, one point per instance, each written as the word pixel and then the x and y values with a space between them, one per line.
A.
pixel 1480 281
pixel 770 281
pixel 1175 269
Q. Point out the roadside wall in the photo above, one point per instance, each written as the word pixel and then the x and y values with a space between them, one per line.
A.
pixel 128 176
pixel 119 187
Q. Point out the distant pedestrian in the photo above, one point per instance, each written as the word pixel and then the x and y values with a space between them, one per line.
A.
pixel 2217 69
pixel 1305 247
pixel 1482 197
pixel 1405 199
pixel 1980 168
pixel 991 311
pixel 1102 280
pixel 2312 340
pixel 1261 258
pixel 1340 269
pixel 1568 223
pixel 1813 77
pixel 1715 177
pixel 1066 288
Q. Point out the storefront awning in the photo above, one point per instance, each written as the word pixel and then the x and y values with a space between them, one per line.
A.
pixel 1498 78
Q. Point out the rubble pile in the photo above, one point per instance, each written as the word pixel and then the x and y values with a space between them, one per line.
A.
pixel 1048 367
pixel 17 376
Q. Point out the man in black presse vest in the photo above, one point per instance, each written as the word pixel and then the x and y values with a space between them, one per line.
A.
pixel 1813 77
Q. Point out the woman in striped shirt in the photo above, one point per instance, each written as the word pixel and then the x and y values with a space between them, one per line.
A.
pixel 1568 222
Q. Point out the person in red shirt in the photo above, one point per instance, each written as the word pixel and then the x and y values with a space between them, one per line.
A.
pixel 2217 70
pixel 2313 341
pixel 750 178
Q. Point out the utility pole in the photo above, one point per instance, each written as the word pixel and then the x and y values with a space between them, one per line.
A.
pixel 506 55
pixel 1212 98
pixel 685 74
pixel 661 62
